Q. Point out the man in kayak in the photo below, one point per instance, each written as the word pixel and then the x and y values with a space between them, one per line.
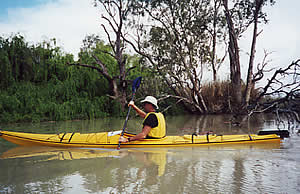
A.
pixel 154 125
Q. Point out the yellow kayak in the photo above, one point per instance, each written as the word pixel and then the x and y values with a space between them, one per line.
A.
pixel 110 140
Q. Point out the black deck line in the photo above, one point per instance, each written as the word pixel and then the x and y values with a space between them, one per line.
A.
pixel 250 137
pixel 71 137
pixel 62 138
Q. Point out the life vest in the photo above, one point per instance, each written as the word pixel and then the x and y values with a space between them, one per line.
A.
pixel 160 130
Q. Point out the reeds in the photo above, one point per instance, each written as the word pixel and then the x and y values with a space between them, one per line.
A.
pixel 218 96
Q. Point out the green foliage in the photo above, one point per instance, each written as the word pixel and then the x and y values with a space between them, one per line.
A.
pixel 28 102
pixel 37 84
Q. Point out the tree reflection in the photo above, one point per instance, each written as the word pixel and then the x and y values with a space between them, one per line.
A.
pixel 220 169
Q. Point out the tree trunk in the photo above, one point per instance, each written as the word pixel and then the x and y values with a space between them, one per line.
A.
pixel 250 84
pixel 214 34
pixel 233 48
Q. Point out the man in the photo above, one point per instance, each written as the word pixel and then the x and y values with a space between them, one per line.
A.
pixel 154 125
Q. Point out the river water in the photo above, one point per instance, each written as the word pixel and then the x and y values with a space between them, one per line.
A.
pixel 261 168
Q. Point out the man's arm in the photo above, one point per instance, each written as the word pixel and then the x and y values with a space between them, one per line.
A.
pixel 142 135
pixel 139 111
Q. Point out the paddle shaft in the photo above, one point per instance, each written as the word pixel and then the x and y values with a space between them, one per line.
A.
pixel 123 130
pixel 135 86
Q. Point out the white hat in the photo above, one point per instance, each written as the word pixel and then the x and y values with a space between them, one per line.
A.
pixel 151 100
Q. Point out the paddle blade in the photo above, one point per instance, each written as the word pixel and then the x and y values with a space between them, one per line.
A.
pixel 136 84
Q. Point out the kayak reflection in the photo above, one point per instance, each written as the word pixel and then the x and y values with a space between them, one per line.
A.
pixel 46 170
pixel 56 153
pixel 147 157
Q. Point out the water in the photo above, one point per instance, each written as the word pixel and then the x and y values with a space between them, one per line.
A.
pixel 261 168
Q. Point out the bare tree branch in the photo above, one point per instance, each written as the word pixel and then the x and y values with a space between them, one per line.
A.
pixel 281 94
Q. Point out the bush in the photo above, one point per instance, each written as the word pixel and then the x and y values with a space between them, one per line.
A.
pixel 29 102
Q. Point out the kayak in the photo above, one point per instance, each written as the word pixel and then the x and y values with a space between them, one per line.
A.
pixel 110 140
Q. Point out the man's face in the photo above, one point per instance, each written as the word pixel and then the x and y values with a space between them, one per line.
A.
pixel 147 107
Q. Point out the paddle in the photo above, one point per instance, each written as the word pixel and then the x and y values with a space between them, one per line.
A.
pixel 135 86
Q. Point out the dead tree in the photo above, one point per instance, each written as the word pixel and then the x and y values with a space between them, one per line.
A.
pixel 281 94
pixel 114 17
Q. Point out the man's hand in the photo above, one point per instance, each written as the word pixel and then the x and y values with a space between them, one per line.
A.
pixel 123 139
pixel 131 103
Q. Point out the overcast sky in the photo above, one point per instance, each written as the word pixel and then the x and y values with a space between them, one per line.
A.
pixel 69 21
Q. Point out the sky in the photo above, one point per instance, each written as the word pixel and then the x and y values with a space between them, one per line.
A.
pixel 70 21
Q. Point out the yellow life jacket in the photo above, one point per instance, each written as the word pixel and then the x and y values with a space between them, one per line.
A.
pixel 160 130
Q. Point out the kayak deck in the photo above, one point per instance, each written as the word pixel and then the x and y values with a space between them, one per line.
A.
pixel 110 139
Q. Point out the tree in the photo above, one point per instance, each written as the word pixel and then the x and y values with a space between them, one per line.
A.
pixel 179 41
pixel 15 59
pixel 234 57
pixel 116 13
pixel 281 94
pixel 217 32
pixel 257 13
pixel 242 14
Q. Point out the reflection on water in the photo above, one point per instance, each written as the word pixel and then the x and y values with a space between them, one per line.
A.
pixel 56 153
pixel 258 168
pixel 255 168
